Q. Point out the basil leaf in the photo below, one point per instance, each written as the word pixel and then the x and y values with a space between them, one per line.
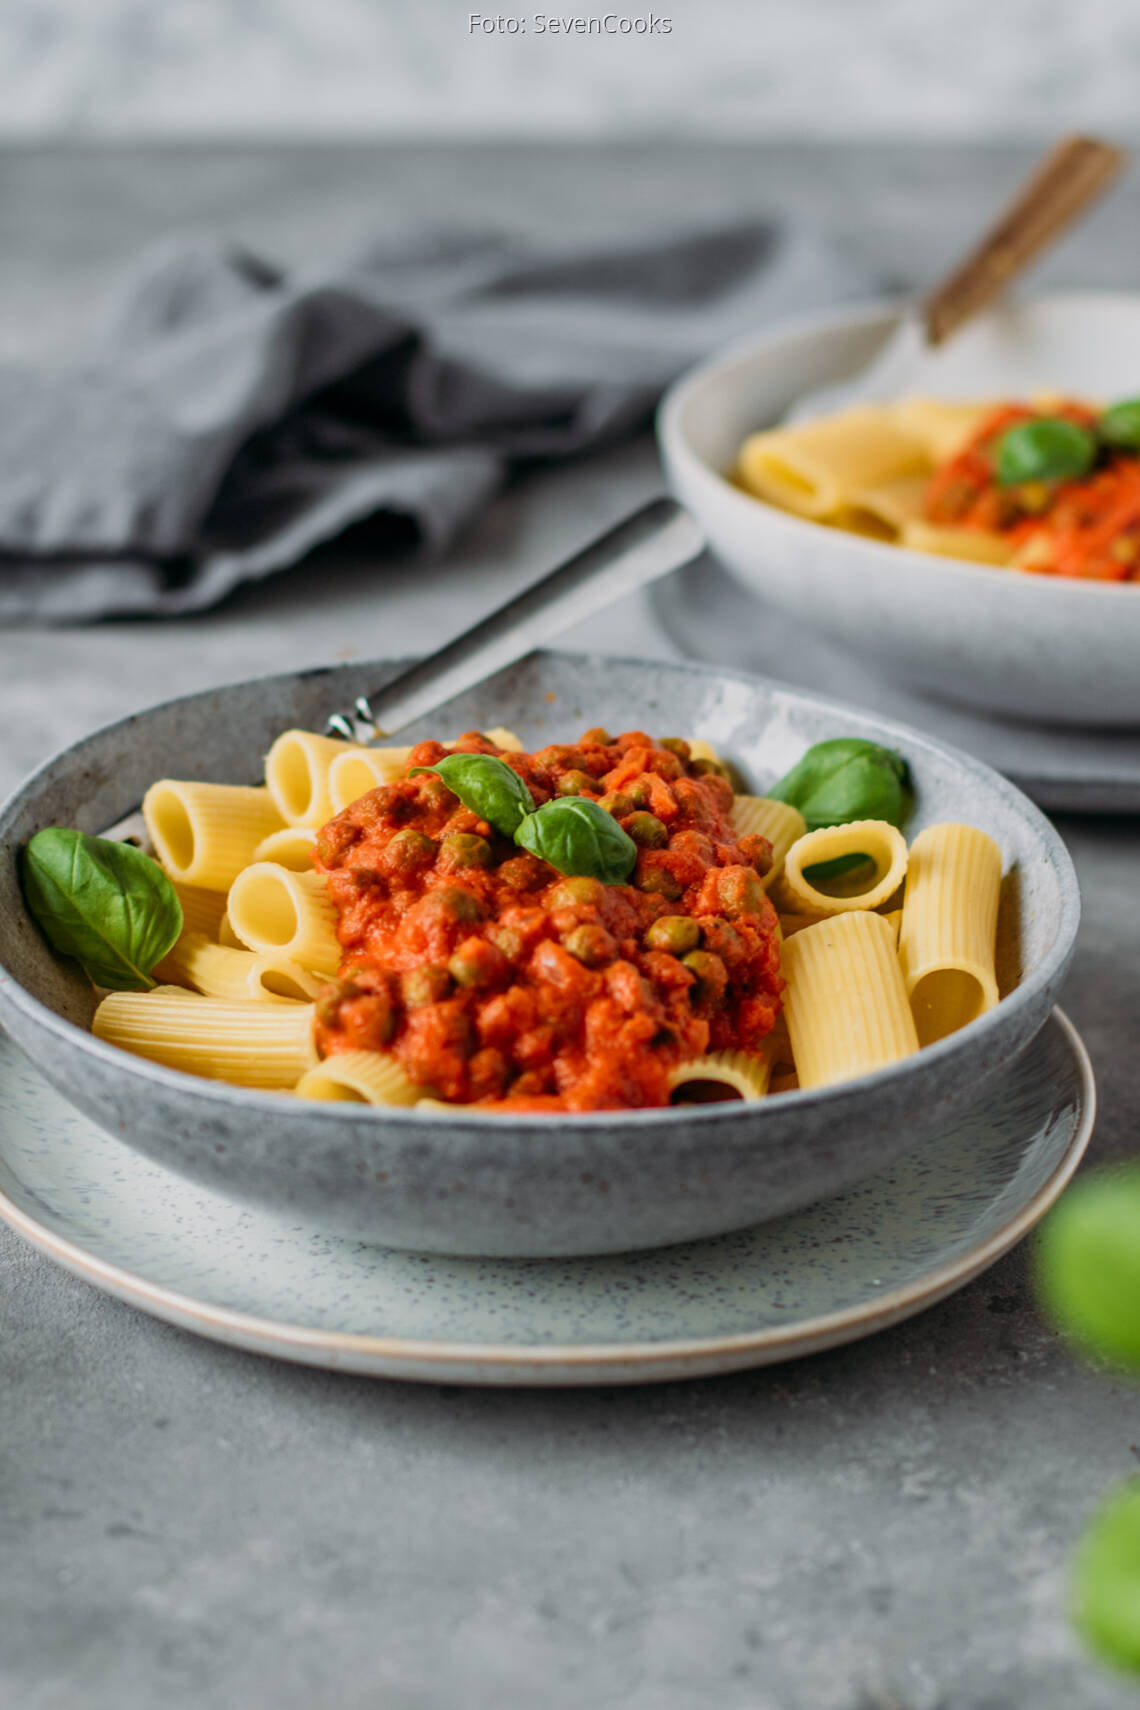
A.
pixel 105 903
pixel 1048 449
pixel 1120 425
pixel 1089 1265
pixel 576 835
pixel 489 787
pixel 847 778
pixel 1107 1579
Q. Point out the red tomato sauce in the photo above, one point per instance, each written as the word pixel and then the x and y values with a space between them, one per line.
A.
pixel 496 980
pixel 1088 527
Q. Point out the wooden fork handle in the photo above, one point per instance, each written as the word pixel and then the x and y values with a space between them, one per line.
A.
pixel 1071 176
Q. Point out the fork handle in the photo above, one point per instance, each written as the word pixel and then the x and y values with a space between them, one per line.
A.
pixel 1072 175
pixel 654 540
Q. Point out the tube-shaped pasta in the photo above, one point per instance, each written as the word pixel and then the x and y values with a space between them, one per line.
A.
pixel 813 468
pixel 355 771
pixel 941 425
pixel 292 848
pixel 227 935
pixel 883 511
pixel 845 1001
pixel 790 924
pixel 243 975
pixel 274 910
pixel 360 1077
pixel 249 1044
pixel 204 834
pixel 504 739
pixel 779 822
pixel 719 1078
pixel 297 775
pixel 699 749
pixel 949 928
pixel 979 545
pixel 202 911
pixel 881 842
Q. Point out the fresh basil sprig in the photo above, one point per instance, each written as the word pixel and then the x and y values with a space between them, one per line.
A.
pixel 840 780
pixel 577 836
pixel 846 778
pixel 489 787
pixel 1119 426
pixel 1051 448
pixel 105 903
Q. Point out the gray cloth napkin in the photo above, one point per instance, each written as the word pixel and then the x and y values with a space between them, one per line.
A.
pixel 233 418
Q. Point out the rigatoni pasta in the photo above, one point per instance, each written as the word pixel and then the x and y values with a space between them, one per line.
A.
pixel 863 887
pixel 846 1005
pixel 267 1045
pixel 204 834
pixel 275 910
pixel 360 1077
pixel 949 928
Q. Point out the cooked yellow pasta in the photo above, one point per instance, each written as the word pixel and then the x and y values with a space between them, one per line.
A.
pixel 297 775
pixel 883 511
pixel 812 469
pixel 360 1077
pixel 355 771
pixel 949 928
pixel 941 425
pixel 292 848
pixel 976 544
pixel 779 822
pixel 883 844
pixel 266 1045
pixel 202 910
pixel 222 972
pixel 719 1077
pixel 204 834
pixel 272 909
pixel 845 1001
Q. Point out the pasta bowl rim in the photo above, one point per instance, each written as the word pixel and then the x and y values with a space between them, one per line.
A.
pixel 41 1015
pixel 886 311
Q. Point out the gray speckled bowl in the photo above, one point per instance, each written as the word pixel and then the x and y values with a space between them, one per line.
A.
pixel 515 1185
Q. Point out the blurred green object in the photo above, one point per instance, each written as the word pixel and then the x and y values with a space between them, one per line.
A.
pixel 1089 1265
pixel 1108 1579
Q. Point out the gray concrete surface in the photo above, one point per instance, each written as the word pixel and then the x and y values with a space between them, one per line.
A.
pixel 886 1527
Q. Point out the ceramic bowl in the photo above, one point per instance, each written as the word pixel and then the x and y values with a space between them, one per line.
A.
pixel 518 1185
pixel 1033 647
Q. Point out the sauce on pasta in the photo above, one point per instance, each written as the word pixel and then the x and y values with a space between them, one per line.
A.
pixel 494 979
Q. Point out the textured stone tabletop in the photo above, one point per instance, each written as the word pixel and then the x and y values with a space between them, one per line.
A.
pixel 885 1527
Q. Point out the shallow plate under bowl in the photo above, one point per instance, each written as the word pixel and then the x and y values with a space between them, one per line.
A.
pixel 839 1271
pixel 1045 648
pixel 518 1185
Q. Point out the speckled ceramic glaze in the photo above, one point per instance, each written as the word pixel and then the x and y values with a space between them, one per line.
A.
pixel 517 1185
pixel 1033 647
pixel 842 1269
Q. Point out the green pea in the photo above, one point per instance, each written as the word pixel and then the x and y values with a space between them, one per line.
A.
pixel 449 902
pixel 580 890
pixel 676 745
pixel 575 784
pixel 1108 1579
pixel 1048 449
pixel 465 849
pixel 411 850
pixel 591 945
pixel 430 984
pixel 476 964
pixel 617 803
pixel 646 830
pixel 508 939
pixel 641 793
pixel 711 976
pixel 710 769
pixel 677 933
pixel 1089 1264
pixel 740 892
pixel 597 737
pixel 659 881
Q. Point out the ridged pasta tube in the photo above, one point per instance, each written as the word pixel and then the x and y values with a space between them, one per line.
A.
pixel 779 822
pixel 292 848
pixel 360 1077
pixel 882 843
pixel 355 771
pixel 719 1078
pixel 846 1004
pixel 204 834
pixel 267 1045
pixel 941 425
pixel 241 975
pixel 202 910
pixel 297 771
pixel 274 910
pixel 813 468
pixel 949 928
